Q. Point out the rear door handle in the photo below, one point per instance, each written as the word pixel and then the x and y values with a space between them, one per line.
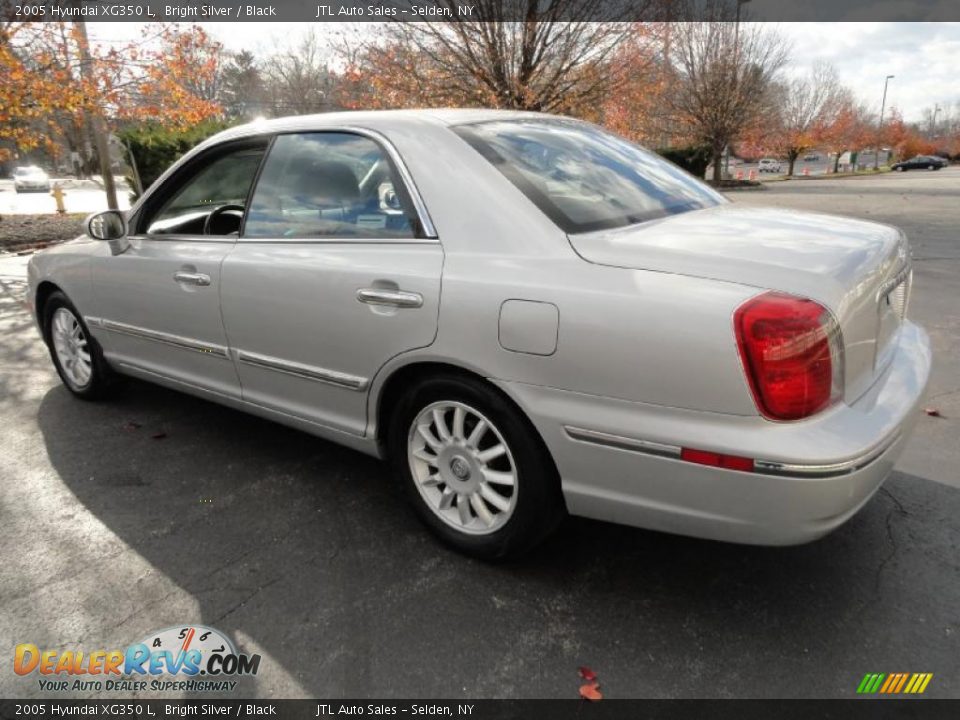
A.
pixel 394 298
pixel 192 278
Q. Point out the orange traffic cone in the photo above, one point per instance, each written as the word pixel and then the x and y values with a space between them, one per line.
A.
pixel 753 175
pixel 806 171
pixel 739 174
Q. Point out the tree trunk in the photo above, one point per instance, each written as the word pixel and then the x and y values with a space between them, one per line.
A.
pixel 96 121
pixel 836 162
pixel 717 170
pixel 791 161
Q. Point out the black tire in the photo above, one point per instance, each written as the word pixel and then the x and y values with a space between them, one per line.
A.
pixel 102 378
pixel 539 504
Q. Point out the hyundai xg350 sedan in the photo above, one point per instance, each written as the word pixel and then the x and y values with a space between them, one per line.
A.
pixel 524 314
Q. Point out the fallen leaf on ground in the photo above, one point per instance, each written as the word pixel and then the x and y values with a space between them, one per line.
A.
pixel 591 692
pixel 586 673
pixel 159 436
pixel 932 412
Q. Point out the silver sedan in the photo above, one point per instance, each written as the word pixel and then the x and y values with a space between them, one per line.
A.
pixel 524 314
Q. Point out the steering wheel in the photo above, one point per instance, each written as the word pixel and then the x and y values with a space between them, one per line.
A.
pixel 208 223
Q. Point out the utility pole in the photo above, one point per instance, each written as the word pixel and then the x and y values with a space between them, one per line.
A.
pixel 933 122
pixel 883 106
pixel 94 118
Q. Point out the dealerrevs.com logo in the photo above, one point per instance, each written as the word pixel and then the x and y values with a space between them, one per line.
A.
pixel 183 658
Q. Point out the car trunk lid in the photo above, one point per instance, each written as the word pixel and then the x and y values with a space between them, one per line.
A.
pixel 858 269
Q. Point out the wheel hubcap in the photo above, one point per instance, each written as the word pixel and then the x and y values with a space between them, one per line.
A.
pixel 463 468
pixel 70 345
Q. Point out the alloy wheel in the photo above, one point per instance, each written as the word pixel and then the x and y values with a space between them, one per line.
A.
pixel 70 345
pixel 462 467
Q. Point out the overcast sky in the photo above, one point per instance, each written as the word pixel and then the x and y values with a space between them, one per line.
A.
pixel 924 57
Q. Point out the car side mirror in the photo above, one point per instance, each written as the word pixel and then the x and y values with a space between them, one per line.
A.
pixel 110 226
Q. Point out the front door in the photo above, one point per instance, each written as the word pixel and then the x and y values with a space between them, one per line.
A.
pixel 333 275
pixel 159 301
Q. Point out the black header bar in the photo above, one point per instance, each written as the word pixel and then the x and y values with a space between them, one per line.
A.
pixel 505 10
pixel 132 709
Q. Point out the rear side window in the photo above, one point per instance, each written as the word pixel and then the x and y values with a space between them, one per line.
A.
pixel 329 184
pixel 583 178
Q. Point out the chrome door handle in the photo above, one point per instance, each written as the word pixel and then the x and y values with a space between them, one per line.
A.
pixel 396 298
pixel 191 278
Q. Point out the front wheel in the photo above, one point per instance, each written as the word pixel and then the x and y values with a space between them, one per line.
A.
pixel 75 354
pixel 473 467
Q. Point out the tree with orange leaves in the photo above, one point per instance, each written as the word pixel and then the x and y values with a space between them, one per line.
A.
pixel 53 86
pixel 804 107
pixel 639 107
pixel 905 140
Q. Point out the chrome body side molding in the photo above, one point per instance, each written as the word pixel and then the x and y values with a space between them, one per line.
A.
pixel 179 341
pixel 332 377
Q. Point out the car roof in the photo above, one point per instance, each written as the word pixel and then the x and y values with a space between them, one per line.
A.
pixel 375 120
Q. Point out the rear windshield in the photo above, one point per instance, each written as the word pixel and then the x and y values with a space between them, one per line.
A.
pixel 584 178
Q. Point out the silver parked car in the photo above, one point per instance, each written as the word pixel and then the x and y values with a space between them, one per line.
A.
pixel 525 314
pixel 30 178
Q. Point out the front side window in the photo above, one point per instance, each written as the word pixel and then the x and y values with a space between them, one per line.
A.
pixel 583 178
pixel 329 184
pixel 210 185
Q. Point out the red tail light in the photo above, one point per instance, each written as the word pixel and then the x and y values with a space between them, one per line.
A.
pixel 790 349
pixel 704 457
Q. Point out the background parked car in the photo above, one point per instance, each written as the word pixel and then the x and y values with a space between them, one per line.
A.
pixel 30 177
pixel 770 165
pixel 920 162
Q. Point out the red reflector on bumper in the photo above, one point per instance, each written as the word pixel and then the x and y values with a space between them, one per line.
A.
pixel 727 462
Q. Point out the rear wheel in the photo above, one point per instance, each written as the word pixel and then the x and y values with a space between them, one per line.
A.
pixel 474 468
pixel 76 355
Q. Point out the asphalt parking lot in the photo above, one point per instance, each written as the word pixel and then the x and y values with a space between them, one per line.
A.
pixel 158 509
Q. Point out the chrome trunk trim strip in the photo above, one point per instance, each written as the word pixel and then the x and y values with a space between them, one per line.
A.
pixel 763 467
pixel 178 341
pixel 769 467
pixel 351 382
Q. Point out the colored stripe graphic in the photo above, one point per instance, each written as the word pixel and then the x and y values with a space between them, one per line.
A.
pixel 894 683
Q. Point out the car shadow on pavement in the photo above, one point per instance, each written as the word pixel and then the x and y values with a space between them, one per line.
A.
pixel 308 549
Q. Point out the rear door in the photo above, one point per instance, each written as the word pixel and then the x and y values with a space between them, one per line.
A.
pixel 159 301
pixel 336 271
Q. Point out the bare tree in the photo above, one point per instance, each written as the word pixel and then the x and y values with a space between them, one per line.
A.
pixel 298 80
pixel 546 55
pixel 805 107
pixel 723 73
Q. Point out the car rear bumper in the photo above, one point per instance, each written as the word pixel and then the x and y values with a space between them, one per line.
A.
pixel 619 461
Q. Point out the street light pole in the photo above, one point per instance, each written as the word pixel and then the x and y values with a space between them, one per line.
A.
pixel 736 27
pixel 883 106
pixel 736 69
pixel 933 123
